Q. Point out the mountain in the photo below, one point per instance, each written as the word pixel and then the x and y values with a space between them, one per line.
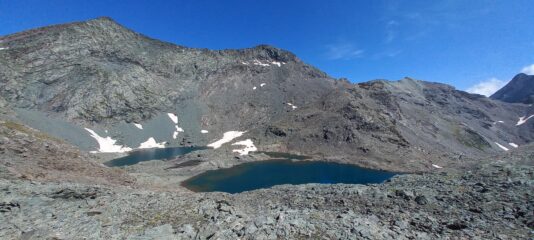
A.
pixel 519 90
pixel 75 95
pixel 101 86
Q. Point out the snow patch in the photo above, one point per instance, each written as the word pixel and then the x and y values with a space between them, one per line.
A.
pixel 249 147
pixel 256 62
pixel 436 166
pixel 203 131
pixel 107 144
pixel 2 48
pixel 244 63
pixel 151 143
pixel 292 106
pixel 263 84
pixel 227 137
pixel 279 64
pixel 514 145
pixel 178 129
pixel 173 117
pixel 254 88
pixel 138 125
pixel 502 147
pixel 523 120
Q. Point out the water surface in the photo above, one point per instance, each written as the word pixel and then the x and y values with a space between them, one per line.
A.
pixel 151 154
pixel 264 174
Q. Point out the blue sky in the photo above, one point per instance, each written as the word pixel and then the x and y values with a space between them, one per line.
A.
pixel 458 42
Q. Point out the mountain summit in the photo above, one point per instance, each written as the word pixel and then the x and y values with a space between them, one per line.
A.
pixel 519 90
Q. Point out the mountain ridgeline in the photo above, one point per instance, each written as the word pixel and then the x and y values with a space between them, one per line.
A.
pixel 122 85
pixel 519 90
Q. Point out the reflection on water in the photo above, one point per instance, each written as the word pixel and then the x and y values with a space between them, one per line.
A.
pixel 264 174
pixel 151 154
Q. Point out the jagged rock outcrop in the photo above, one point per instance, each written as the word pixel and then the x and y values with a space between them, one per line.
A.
pixel 519 90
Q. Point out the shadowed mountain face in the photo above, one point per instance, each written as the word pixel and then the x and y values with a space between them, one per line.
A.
pixel 519 90
pixel 100 75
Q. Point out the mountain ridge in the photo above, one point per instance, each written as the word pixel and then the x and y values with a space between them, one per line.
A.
pixel 519 90
pixel 101 76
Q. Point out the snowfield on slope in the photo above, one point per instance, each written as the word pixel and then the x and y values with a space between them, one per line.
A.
pixel 227 137
pixel 249 147
pixel 151 143
pixel 523 120
pixel 107 144
pixel 502 147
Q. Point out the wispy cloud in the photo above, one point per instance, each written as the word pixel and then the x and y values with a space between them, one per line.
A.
pixel 343 51
pixel 528 70
pixel 487 87
pixel 391 31
pixel 391 53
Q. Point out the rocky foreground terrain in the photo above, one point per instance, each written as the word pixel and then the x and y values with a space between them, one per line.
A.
pixel 493 202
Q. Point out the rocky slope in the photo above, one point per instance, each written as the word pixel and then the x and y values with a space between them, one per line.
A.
pixel 519 90
pixel 122 85
pixel 29 154
pixel 493 201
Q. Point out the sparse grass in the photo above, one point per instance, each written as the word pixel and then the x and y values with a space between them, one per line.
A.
pixel 21 128
pixel 470 138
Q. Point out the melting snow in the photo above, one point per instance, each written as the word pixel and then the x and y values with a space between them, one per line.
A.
pixel 151 143
pixel 259 63
pixel 249 147
pixel 178 129
pixel 514 145
pixel 173 117
pixel 502 147
pixel 523 120
pixel 107 144
pixel 256 62
pixel 138 125
pixel 279 64
pixel 263 84
pixel 227 137
pixel 204 131
pixel 292 106
pixel 437 166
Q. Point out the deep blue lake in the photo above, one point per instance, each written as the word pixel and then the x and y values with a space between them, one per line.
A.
pixel 151 154
pixel 265 174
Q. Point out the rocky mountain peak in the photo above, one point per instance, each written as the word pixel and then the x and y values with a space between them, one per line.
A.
pixel 519 90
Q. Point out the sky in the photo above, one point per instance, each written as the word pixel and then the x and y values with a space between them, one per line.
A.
pixel 474 45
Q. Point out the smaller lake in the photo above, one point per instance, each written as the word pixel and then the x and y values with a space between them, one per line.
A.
pixel 265 174
pixel 151 154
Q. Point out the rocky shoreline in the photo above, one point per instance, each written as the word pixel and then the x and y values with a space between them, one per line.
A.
pixel 492 202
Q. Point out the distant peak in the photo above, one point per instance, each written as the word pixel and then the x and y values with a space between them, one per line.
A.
pixel 104 19
pixel 274 53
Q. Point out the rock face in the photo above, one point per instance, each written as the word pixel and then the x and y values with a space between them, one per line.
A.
pixel 122 85
pixel 519 90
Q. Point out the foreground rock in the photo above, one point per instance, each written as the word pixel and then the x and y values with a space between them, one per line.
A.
pixel 493 202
